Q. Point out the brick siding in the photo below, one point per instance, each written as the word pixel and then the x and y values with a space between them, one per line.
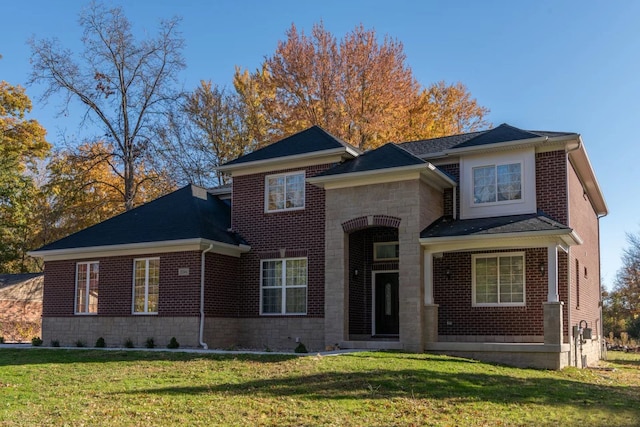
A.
pixel 456 314
pixel 295 232
pixel 551 184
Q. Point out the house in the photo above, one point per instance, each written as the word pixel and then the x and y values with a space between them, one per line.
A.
pixel 20 306
pixel 484 245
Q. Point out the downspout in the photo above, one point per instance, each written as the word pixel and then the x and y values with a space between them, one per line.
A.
pixel 603 346
pixel 455 202
pixel 201 333
pixel 569 263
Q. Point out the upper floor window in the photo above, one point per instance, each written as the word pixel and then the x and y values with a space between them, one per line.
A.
pixel 498 279
pixel 284 286
pixel 87 287
pixel 497 183
pixel 284 192
pixel 146 285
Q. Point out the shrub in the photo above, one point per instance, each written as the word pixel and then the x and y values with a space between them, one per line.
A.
pixel 100 343
pixel 149 343
pixel 128 343
pixel 55 343
pixel 80 343
pixel 301 348
pixel 1 340
pixel 173 343
pixel 36 341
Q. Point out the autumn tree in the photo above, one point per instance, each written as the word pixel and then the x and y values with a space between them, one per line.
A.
pixel 358 88
pixel 621 308
pixel 85 188
pixel 22 143
pixel 207 130
pixel 125 84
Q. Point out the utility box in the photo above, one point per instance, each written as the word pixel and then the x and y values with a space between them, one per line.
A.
pixel 586 334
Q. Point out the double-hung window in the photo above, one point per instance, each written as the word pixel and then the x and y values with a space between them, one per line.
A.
pixel 87 287
pixel 284 192
pixel 497 183
pixel 283 287
pixel 498 279
pixel 146 281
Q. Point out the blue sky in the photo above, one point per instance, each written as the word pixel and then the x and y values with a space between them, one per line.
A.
pixel 565 66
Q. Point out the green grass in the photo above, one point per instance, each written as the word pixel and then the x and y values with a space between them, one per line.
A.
pixel 129 388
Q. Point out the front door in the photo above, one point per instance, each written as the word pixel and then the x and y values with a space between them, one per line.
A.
pixel 386 303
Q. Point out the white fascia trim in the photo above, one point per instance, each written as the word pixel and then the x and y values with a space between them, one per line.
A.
pixel 183 245
pixel 284 160
pixel 377 176
pixel 580 161
pixel 502 240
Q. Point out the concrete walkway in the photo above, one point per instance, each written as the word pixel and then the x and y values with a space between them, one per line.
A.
pixel 27 346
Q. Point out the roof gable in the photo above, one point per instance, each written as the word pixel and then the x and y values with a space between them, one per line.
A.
pixel 183 214
pixel 307 141
pixel 388 156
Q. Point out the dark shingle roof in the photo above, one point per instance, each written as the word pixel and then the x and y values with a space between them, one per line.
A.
pixel 308 141
pixel 437 145
pixel 448 227
pixel 388 156
pixel 502 133
pixel 176 216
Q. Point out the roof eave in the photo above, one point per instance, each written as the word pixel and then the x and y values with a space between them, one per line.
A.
pixel 140 248
pixel 566 237
pixel 347 152
pixel 580 160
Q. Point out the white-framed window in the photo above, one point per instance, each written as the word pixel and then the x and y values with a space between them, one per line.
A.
pixel 146 281
pixel 386 251
pixel 284 192
pixel 283 286
pixel 87 280
pixel 497 183
pixel 499 279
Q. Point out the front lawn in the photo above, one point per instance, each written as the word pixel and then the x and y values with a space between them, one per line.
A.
pixel 125 388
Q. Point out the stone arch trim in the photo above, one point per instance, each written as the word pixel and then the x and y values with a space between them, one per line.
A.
pixel 362 222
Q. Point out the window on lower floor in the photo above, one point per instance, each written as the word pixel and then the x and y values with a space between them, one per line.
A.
pixel 498 279
pixel 384 251
pixel 146 281
pixel 87 287
pixel 283 286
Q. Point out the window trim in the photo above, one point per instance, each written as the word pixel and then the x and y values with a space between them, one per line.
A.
pixel 498 202
pixel 146 287
pixel 499 304
pixel 285 174
pixel 376 245
pixel 75 298
pixel 283 295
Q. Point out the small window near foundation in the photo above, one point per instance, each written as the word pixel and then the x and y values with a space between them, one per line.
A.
pixel 386 251
pixel 585 273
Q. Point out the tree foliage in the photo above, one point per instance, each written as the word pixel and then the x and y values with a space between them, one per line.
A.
pixel 125 84
pixel 357 88
pixel 84 188
pixel 22 143
pixel 205 132
pixel 622 306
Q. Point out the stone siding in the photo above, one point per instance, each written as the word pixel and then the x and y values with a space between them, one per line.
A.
pixel 417 205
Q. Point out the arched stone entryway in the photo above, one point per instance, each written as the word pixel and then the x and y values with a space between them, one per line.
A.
pixel 373 283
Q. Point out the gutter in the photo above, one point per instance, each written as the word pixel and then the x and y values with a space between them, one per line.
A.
pixel 201 332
